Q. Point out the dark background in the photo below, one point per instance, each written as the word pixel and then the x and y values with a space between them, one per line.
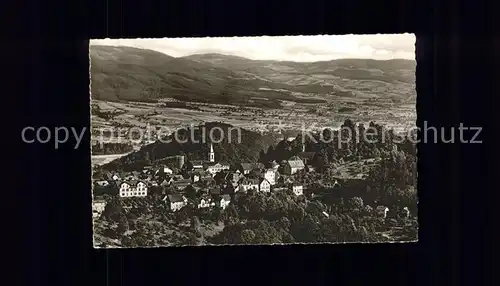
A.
pixel 46 51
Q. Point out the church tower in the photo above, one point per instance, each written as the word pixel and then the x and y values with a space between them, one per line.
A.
pixel 211 154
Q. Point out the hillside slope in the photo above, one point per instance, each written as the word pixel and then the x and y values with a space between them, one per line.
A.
pixel 239 146
pixel 131 74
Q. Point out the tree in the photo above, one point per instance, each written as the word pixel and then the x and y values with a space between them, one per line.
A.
pixel 376 152
pixel 355 203
pixel 113 210
pixel 181 215
pixel 122 225
pixel 262 156
pixel 229 213
pixel 192 239
pixel 247 236
pixel 190 192
pixel 195 224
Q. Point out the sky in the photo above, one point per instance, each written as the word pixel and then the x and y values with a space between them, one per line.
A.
pixel 284 48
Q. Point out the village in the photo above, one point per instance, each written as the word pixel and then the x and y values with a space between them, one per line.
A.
pixel 208 184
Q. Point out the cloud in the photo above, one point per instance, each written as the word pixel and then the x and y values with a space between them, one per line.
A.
pixel 288 48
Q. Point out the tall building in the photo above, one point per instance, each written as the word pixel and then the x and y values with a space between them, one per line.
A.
pixel 211 154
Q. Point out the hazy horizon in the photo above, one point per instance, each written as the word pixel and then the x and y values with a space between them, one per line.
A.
pixel 282 48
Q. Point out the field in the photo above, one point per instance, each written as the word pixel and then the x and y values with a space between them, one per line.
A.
pixel 292 117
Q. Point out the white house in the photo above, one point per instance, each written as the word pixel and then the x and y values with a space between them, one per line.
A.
pixel 133 189
pixel 293 165
pixel 167 170
pixel 246 184
pixel 98 207
pixel 270 175
pixel 102 183
pixel 175 202
pixel 205 203
pixel 224 201
pixel 217 167
pixel 297 189
pixel 125 190
pixel 264 185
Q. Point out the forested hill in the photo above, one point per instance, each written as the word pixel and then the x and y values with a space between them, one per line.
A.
pixel 194 144
pixel 125 73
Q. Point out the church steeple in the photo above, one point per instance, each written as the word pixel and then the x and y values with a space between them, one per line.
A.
pixel 211 154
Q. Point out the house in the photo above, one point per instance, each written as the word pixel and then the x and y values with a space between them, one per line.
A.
pixel 233 177
pixel 310 168
pixel 224 201
pixel 175 202
pixel 246 184
pixel 168 171
pixel 200 176
pixel 166 182
pixel 194 165
pixel 205 202
pixel 153 183
pixel 382 211
pixel 329 185
pixel 270 175
pixel 98 207
pixel 275 165
pixel 112 177
pixel 181 184
pixel 306 156
pixel 293 165
pixel 214 168
pixel 297 189
pixel 133 189
pixel 258 166
pixel 102 183
pixel 245 168
pixel 264 185
pixel 285 180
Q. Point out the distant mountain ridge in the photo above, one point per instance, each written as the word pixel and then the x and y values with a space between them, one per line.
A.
pixel 132 74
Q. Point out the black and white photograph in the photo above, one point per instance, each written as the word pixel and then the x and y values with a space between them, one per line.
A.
pixel 253 140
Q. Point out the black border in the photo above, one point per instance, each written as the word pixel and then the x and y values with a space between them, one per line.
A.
pixel 452 71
